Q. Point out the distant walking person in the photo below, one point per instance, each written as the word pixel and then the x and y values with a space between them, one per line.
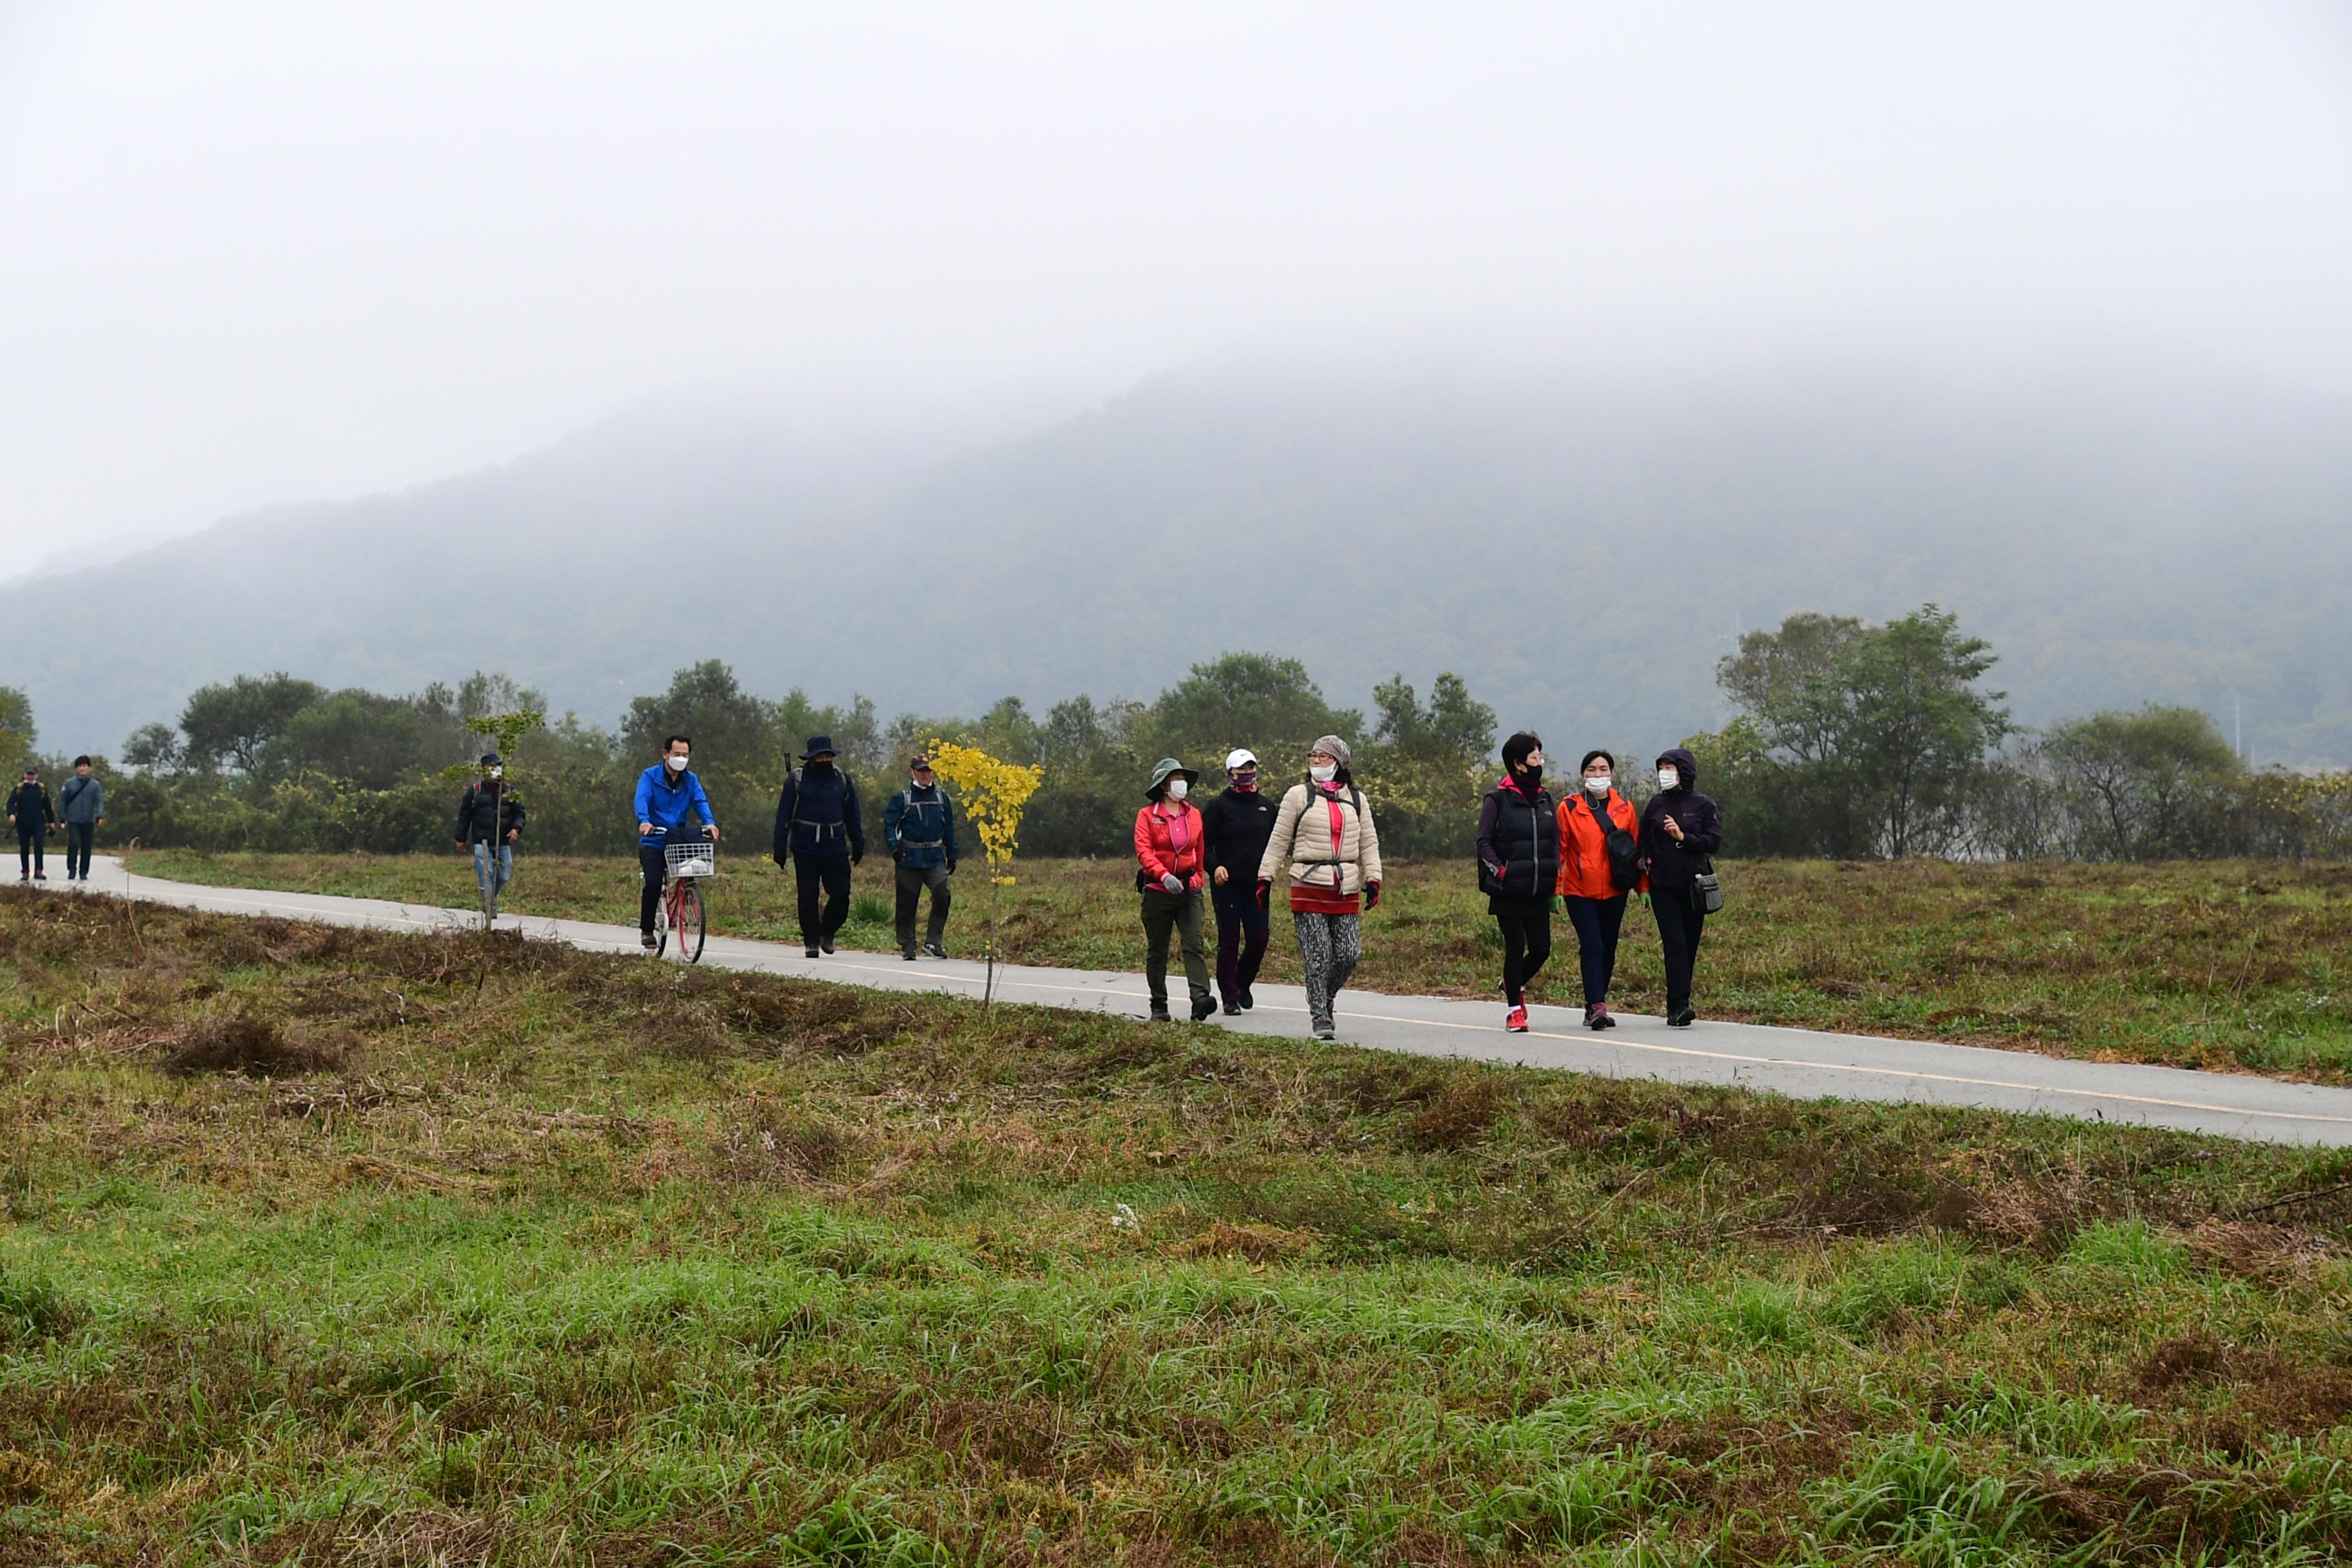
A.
pixel 31 815
pixel 1170 854
pixel 82 800
pixel 670 799
pixel 489 823
pixel 1235 827
pixel 1599 868
pixel 1324 836
pixel 819 829
pixel 1518 864
pixel 919 829
pixel 1680 829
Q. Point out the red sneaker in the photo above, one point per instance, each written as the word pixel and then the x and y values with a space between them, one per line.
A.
pixel 1516 1020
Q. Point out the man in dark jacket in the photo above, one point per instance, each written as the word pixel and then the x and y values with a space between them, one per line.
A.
pixel 1680 829
pixel 82 801
pixel 1234 828
pixel 819 829
pixel 489 823
pixel 31 815
pixel 919 829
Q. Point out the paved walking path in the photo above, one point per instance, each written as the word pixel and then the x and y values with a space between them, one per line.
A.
pixel 1798 1062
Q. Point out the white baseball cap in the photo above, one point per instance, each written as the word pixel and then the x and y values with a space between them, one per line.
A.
pixel 1236 759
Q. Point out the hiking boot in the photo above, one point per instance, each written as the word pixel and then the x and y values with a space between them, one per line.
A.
pixel 1599 1016
pixel 907 953
pixel 1682 1020
pixel 826 944
pixel 1202 1009
pixel 1515 1021
pixel 647 941
pixel 1249 999
pixel 1159 1013
pixel 40 876
pixel 1232 1009
pixel 933 949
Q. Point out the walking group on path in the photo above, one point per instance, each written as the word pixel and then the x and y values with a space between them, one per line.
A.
pixel 79 807
pixel 1585 855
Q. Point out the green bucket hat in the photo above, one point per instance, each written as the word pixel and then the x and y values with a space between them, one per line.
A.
pixel 1167 768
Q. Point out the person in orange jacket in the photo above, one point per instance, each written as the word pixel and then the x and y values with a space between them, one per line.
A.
pixel 1593 881
pixel 1169 858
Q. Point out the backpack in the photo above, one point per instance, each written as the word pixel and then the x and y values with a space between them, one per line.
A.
pixel 1625 855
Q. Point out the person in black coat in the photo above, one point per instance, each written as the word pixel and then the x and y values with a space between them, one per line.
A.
pixel 1518 862
pixel 1680 829
pixel 820 832
pixel 1234 828
pixel 32 815
pixel 489 826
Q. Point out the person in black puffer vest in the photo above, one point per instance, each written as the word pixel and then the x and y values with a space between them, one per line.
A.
pixel 818 826
pixel 1519 861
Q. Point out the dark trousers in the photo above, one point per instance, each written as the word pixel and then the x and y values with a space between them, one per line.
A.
pixel 1163 913
pixel 28 847
pixel 1242 932
pixel 1597 922
pixel 829 875
pixel 78 838
pixel 912 880
pixel 1527 943
pixel 1679 926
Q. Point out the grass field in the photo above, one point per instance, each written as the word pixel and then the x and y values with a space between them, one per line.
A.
pixel 2220 965
pixel 329 1246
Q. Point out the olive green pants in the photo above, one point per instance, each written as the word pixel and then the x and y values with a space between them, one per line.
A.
pixel 1181 912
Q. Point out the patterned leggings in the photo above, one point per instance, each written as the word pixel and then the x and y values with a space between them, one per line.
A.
pixel 1328 946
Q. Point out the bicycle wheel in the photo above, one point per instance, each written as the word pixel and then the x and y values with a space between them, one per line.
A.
pixel 692 922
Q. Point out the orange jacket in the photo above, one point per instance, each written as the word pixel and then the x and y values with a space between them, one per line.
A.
pixel 1155 846
pixel 1583 859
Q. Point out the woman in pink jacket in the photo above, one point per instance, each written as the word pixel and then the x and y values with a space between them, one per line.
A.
pixel 1169 859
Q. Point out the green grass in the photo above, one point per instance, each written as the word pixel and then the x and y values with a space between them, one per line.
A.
pixel 2221 965
pixel 330 1245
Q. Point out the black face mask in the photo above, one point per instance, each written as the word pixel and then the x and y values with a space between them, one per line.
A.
pixel 820 765
pixel 1532 777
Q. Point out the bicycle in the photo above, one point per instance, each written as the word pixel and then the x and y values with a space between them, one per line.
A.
pixel 681 909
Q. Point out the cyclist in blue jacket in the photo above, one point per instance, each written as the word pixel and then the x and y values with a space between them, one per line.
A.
pixel 668 795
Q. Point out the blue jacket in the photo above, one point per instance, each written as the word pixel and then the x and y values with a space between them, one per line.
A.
pixel 817 818
pixel 918 825
pixel 82 799
pixel 666 804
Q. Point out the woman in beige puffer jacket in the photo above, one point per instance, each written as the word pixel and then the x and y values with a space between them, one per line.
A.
pixel 1324 837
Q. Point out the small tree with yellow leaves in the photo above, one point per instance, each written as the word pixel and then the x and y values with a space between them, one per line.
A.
pixel 992 794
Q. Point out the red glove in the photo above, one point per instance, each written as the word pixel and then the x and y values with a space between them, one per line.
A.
pixel 1265 891
pixel 1371 895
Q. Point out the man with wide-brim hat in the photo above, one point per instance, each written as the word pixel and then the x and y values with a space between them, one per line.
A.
pixel 1170 857
pixel 821 833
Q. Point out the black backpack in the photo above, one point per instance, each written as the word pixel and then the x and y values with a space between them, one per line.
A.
pixel 1624 855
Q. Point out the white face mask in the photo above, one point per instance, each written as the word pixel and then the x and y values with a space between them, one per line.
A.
pixel 1596 786
pixel 1323 772
pixel 497 773
pixel 675 765
pixel 1668 778
pixel 1178 789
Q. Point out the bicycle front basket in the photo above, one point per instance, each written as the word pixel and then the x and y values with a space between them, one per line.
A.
pixel 700 859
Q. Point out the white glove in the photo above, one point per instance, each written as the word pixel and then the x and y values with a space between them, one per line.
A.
pixel 1172 882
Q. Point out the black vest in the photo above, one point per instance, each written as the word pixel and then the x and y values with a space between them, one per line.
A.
pixel 1526 837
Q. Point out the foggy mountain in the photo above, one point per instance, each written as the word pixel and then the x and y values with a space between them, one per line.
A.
pixel 1581 545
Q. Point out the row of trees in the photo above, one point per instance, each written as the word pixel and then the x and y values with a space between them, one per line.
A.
pixel 1850 741
pixel 1854 741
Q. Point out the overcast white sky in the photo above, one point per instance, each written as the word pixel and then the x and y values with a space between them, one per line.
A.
pixel 258 252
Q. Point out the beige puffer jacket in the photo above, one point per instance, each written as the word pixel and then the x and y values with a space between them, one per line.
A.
pixel 1310 855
